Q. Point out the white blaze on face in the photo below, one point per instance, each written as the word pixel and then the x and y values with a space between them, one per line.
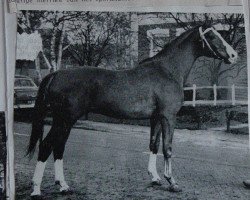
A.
pixel 152 167
pixel 233 55
pixel 37 178
pixel 59 175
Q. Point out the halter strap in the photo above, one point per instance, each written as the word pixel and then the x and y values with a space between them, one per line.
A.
pixel 204 40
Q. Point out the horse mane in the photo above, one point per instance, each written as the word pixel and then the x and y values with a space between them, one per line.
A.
pixel 172 45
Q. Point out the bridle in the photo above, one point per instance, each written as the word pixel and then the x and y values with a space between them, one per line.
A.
pixel 204 40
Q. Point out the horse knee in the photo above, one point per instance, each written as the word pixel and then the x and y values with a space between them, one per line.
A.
pixel 154 145
pixel 153 149
pixel 167 152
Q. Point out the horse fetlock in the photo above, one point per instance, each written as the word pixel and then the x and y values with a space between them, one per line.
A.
pixel 155 175
pixel 63 186
pixel 170 179
pixel 156 179
pixel 36 190
pixel 167 155
pixel 174 187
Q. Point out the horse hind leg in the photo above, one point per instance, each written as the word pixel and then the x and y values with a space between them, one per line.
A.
pixel 167 138
pixel 155 134
pixel 45 149
pixel 59 147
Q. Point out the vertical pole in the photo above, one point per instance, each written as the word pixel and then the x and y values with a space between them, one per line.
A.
pixel 215 94
pixel 246 5
pixel 194 94
pixel 233 95
pixel 10 42
pixel 228 117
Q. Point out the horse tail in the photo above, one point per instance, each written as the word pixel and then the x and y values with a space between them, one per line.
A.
pixel 40 111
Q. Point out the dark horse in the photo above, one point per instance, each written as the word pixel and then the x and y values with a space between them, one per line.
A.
pixel 153 90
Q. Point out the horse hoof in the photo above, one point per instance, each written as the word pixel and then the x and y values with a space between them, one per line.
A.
pixel 66 192
pixel 247 183
pixel 174 188
pixel 158 183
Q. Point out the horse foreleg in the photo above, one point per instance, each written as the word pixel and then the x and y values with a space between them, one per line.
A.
pixel 167 137
pixel 154 147
pixel 168 172
pixel 45 149
pixel 58 151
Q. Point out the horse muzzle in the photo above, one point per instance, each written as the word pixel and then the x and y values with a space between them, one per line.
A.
pixel 233 57
pixel 232 60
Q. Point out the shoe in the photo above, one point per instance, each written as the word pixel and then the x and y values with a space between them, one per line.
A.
pixel 247 183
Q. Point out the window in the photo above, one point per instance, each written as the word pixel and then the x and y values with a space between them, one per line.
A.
pixel 158 38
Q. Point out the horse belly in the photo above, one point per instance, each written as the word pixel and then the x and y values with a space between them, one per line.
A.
pixel 126 107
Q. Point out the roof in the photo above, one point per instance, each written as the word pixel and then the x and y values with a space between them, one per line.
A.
pixel 28 46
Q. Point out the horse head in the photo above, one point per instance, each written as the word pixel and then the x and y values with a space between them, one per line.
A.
pixel 215 46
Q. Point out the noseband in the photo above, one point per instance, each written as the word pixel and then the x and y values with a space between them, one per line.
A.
pixel 204 40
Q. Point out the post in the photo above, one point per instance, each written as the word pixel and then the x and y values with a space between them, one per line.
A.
pixel 229 118
pixel 233 95
pixel 215 94
pixel 194 94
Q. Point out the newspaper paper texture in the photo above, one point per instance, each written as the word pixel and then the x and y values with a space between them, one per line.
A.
pixel 112 76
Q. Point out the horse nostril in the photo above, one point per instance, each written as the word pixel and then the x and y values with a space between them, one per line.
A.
pixel 233 55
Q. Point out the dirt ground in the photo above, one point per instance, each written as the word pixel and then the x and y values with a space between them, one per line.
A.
pixel 112 165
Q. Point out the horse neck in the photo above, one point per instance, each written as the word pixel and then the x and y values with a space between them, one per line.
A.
pixel 179 59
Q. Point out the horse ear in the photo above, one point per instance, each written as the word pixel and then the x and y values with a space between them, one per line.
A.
pixel 211 21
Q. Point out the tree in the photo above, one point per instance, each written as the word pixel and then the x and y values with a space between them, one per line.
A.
pixel 100 37
pixel 54 40
pixel 29 21
pixel 86 38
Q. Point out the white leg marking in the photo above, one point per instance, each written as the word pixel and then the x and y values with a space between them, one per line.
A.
pixel 168 171
pixel 37 178
pixel 59 175
pixel 152 167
